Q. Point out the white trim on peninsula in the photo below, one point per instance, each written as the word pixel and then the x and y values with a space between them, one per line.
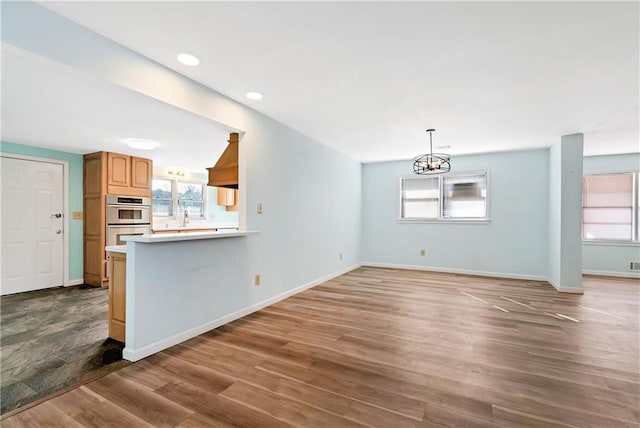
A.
pixel 186 236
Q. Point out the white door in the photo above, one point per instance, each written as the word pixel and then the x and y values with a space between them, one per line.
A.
pixel 31 225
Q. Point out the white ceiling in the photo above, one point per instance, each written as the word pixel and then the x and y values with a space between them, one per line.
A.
pixel 49 105
pixel 369 78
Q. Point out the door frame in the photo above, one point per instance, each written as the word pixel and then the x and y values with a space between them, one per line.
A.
pixel 65 206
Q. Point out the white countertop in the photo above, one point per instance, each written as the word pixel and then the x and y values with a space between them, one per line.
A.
pixel 116 248
pixel 185 236
pixel 195 224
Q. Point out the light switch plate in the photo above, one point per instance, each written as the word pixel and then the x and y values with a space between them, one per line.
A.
pixel 76 215
pixel 259 208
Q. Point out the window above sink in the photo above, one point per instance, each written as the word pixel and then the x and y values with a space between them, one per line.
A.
pixel 172 196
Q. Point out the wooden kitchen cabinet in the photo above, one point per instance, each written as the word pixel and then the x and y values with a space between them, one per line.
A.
pixel 141 173
pixel 118 170
pixel 106 173
pixel 94 186
pixel 228 198
pixel 117 295
pixel 233 207
pixel 128 175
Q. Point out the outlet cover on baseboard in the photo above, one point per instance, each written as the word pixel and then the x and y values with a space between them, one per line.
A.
pixel 634 265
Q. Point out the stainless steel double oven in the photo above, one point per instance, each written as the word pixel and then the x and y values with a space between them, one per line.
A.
pixel 127 216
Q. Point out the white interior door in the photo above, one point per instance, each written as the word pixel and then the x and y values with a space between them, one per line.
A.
pixel 32 220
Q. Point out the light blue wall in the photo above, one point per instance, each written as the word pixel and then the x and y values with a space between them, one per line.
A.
pixel 611 163
pixel 565 213
pixel 610 259
pixel 311 199
pixel 75 197
pixel 514 242
pixel 555 219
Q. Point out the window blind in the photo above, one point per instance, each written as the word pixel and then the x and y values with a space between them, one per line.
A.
pixel 607 207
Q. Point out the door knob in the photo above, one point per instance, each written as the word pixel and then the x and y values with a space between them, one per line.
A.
pixel 57 215
pixel 58 232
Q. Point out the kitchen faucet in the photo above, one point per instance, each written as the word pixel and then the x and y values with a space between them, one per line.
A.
pixel 185 219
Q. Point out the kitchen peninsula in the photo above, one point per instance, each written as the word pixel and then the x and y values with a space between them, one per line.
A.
pixel 179 285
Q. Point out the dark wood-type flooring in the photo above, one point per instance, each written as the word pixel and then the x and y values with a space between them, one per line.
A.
pixel 53 339
pixel 388 348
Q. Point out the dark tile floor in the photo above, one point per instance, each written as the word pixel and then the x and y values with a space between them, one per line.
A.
pixel 51 340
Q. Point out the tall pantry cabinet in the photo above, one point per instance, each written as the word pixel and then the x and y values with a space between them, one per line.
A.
pixel 106 173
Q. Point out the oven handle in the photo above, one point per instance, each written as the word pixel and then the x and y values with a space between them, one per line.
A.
pixel 129 225
pixel 128 206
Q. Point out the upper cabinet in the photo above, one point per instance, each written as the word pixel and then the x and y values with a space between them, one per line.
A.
pixel 141 173
pixel 118 170
pixel 228 198
pixel 128 175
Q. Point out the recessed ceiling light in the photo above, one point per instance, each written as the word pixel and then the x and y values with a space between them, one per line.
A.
pixel 254 95
pixel 188 59
pixel 141 144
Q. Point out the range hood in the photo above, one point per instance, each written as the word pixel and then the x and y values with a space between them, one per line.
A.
pixel 225 171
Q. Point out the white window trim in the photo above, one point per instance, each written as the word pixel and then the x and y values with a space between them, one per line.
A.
pixel 610 243
pixel 174 195
pixel 635 217
pixel 440 219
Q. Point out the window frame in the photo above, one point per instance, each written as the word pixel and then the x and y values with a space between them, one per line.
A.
pixel 635 212
pixel 172 199
pixel 467 220
pixel 176 201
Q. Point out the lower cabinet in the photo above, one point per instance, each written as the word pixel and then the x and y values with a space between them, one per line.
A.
pixel 117 295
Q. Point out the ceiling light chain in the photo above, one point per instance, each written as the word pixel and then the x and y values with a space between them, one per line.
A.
pixel 431 163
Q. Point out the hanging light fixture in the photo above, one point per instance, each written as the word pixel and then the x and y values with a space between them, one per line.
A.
pixel 431 163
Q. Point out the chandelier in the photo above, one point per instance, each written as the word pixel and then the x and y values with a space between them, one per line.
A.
pixel 431 163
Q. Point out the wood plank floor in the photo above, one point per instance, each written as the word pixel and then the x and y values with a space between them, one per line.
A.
pixel 388 348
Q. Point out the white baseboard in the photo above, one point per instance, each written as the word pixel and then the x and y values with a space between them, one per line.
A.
pixel 459 271
pixel 72 282
pixel 138 354
pixel 576 290
pixel 561 289
pixel 611 273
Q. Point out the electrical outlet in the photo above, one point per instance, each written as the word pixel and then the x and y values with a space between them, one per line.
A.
pixel 423 252
pixel 259 208
pixel 76 215
pixel 340 256
pixel 257 280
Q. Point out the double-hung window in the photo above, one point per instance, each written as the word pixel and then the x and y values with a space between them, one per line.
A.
pixel 610 207
pixel 172 197
pixel 451 197
pixel 162 197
